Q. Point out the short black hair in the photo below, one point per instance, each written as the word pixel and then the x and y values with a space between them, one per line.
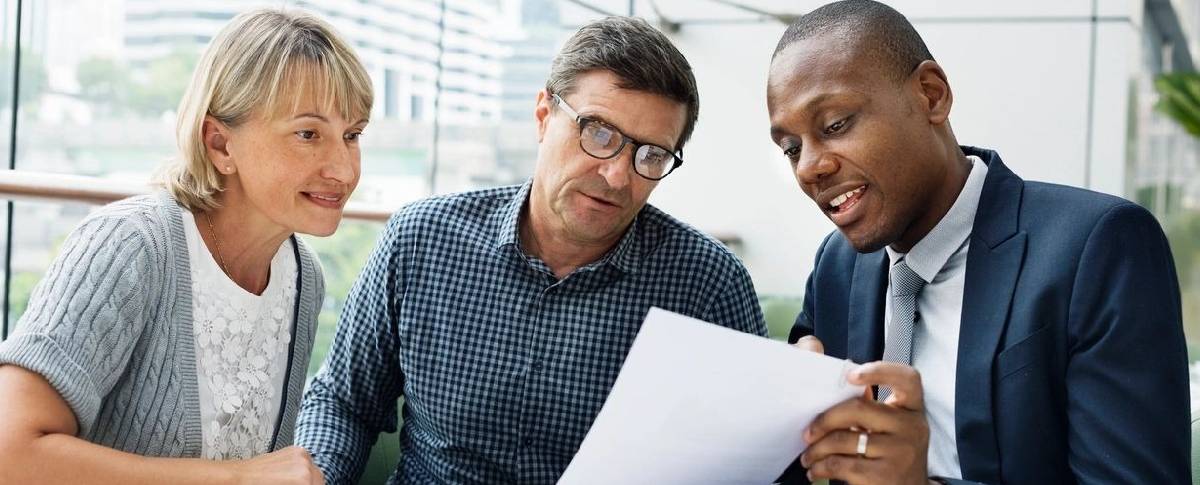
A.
pixel 638 54
pixel 882 33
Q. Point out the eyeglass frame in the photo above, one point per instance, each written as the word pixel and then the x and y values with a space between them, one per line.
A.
pixel 583 121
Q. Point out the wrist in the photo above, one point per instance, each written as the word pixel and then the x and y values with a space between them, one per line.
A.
pixel 226 473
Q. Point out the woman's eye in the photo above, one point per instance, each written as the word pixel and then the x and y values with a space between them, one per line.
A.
pixel 306 134
pixel 354 136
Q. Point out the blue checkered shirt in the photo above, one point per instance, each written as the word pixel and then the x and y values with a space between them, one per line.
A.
pixel 502 366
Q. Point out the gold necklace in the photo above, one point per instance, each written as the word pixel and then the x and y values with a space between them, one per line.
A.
pixel 217 240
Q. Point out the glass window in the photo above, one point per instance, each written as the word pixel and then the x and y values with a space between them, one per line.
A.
pixel 31 80
pixel 101 80
pixel 1163 175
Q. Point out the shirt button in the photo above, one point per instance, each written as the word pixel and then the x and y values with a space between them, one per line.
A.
pixel 528 442
pixel 536 366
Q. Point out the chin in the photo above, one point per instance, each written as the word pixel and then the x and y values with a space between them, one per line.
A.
pixel 319 230
pixel 865 243
pixel 867 247
pixel 591 229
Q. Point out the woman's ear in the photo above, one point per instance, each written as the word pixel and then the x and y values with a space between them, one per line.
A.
pixel 216 145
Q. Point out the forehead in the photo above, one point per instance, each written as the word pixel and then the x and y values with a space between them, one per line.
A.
pixel 647 117
pixel 819 68
pixel 312 90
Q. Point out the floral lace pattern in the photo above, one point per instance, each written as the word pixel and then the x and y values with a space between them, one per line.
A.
pixel 241 344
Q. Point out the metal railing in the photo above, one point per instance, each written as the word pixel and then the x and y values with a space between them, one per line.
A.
pixel 42 186
pixel 25 185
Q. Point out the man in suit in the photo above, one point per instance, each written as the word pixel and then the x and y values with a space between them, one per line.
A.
pixel 1033 331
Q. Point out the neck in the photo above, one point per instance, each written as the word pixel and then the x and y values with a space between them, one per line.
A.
pixel 243 239
pixel 958 168
pixel 562 253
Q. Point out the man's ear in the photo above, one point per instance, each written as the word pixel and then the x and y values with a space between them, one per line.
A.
pixel 216 144
pixel 934 91
pixel 541 112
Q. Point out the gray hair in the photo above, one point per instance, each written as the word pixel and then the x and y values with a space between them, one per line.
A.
pixel 641 56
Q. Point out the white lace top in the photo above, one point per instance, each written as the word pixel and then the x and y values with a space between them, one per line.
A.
pixel 241 350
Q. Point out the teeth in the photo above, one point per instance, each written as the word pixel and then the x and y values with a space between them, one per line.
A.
pixel 838 200
pixel 323 197
pixel 841 199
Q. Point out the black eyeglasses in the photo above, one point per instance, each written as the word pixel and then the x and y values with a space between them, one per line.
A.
pixel 604 141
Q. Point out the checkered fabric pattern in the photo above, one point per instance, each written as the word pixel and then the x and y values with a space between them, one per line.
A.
pixel 503 367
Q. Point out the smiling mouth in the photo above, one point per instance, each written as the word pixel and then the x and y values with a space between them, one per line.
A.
pixel 326 199
pixel 843 203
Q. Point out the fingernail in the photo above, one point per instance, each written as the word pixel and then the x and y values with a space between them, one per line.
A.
pixel 804 460
pixel 810 477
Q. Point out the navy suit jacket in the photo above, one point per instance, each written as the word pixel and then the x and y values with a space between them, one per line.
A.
pixel 1072 365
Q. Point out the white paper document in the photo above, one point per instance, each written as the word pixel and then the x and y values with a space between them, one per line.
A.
pixel 697 403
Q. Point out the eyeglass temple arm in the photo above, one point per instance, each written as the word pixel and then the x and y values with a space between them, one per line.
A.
pixel 565 107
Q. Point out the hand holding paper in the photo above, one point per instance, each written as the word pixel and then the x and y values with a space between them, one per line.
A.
pixel 896 449
pixel 699 403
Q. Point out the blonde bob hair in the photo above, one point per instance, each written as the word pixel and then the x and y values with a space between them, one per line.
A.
pixel 256 61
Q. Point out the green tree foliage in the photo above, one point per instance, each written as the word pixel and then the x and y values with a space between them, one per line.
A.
pixel 33 78
pixel 1183 232
pixel 1179 98
pixel 342 257
pixel 150 90
pixel 22 288
pixel 104 83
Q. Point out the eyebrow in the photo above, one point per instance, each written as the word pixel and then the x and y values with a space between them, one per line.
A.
pixel 638 141
pixel 326 120
pixel 777 131
pixel 311 115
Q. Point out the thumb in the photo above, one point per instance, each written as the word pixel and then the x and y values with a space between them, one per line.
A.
pixel 811 344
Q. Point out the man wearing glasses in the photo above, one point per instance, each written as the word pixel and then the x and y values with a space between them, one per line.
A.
pixel 503 316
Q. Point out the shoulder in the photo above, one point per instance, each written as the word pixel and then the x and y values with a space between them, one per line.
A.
pixel 138 224
pixel 142 211
pixel 664 236
pixel 1047 200
pixel 1073 215
pixel 461 218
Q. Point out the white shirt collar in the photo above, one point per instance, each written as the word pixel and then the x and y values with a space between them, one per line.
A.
pixel 931 253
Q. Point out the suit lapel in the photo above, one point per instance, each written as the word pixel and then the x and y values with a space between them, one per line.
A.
pixel 865 315
pixel 993 266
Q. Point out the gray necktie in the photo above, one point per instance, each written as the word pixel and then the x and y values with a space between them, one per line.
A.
pixel 906 286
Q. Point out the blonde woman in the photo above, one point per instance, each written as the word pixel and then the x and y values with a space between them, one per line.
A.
pixel 168 341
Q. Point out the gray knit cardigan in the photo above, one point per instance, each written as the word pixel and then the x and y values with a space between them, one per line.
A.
pixel 110 327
